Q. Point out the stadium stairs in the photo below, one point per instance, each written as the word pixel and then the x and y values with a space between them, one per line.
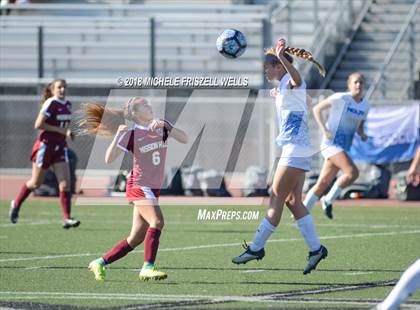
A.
pixel 370 45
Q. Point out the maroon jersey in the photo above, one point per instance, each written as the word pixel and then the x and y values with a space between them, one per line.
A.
pixel 58 114
pixel 149 152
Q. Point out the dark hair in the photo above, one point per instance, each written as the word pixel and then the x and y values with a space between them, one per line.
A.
pixel 47 91
pixel 98 119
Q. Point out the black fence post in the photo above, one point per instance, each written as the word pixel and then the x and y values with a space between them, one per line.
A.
pixel 152 47
pixel 40 52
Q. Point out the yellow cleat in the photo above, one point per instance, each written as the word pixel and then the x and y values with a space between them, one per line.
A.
pixel 98 270
pixel 152 273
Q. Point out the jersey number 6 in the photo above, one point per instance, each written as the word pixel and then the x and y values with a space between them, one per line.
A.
pixel 156 158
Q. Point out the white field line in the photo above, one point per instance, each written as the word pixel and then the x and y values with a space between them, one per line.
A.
pixel 42 222
pixel 221 245
pixel 219 222
pixel 158 297
pixel 357 273
pixel 153 297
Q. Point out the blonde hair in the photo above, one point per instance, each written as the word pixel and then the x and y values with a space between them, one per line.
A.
pixel 96 119
pixel 300 53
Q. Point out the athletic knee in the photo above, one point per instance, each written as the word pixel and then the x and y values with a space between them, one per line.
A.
pixel 157 223
pixel 353 174
pixel 64 186
pixel 290 202
pixel 33 184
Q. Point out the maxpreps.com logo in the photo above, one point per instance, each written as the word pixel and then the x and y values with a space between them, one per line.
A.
pixel 222 215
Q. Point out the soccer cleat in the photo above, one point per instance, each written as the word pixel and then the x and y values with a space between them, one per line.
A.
pixel 13 212
pixel 248 255
pixel 98 270
pixel 314 258
pixel 327 207
pixel 69 223
pixel 152 273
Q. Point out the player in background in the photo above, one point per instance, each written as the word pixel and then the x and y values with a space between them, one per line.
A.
pixel 294 142
pixel 50 150
pixel 147 142
pixel 347 115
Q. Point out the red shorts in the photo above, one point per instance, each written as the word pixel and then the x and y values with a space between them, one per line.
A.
pixel 141 193
pixel 46 154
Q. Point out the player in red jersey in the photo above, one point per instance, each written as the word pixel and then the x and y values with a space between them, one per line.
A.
pixel 50 150
pixel 147 142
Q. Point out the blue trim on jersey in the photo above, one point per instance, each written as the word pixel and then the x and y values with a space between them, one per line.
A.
pixel 343 138
pixel 293 122
pixel 291 126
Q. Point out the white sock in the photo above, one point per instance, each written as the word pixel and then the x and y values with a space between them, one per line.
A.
pixel 307 229
pixel 262 234
pixel 333 194
pixel 310 200
pixel 407 285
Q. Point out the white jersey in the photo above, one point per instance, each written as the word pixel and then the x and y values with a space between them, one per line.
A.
pixel 344 119
pixel 292 117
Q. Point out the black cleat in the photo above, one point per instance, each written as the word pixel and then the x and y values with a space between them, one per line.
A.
pixel 248 255
pixel 13 212
pixel 327 207
pixel 70 223
pixel 314 258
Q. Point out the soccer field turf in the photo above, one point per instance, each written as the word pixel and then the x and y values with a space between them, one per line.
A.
pixel 41 263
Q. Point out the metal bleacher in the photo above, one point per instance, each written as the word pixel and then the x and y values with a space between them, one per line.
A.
pixel 119 44
pixel 93 43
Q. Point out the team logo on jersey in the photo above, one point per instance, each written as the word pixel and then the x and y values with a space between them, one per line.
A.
pixel 153 146
pixel 355 111
pixel 63 117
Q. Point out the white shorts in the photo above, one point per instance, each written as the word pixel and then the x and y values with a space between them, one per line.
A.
pixel 303 163
pixel 328 151
pixel 291 157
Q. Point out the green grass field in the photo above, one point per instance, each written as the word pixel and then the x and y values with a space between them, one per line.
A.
pixel 369 248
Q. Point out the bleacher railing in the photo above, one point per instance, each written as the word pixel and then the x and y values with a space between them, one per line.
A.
pixel 406 34
pixel 346 44
pixel 335 25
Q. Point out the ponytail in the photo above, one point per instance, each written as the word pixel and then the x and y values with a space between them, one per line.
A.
pixel 301 53
pixel 98 120
pixel 46 93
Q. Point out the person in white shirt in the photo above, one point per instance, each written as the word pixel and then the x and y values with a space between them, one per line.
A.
pixel 294 143
pixel 347 115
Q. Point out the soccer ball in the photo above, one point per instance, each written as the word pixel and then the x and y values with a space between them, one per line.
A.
pixel 231 43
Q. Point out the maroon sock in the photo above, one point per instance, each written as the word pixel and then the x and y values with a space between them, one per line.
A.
pixel 118 251
pixel 65 200
pixel 151 245
pixel 23 194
